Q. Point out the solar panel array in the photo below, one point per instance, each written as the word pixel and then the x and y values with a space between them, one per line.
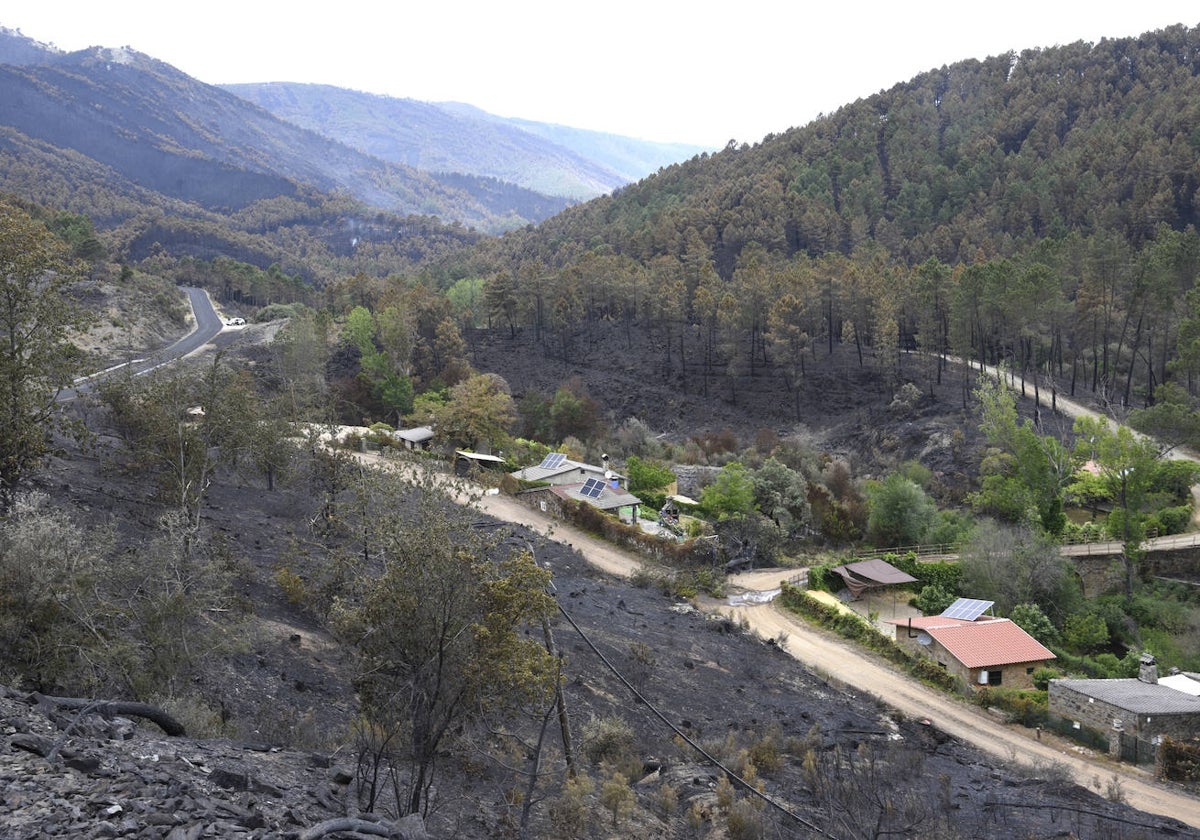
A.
pixel 968 609
pixel 553 461
pixel 592 488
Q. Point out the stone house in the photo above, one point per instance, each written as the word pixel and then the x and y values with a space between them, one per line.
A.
pixel 557 468
pixel 606 496
pixel 1134 714
pixel 986 651
pixel 415 439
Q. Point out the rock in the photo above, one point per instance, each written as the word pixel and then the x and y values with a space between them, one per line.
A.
pixel 31 743
pixel 229 779
pixel 191 832
pixel 84 764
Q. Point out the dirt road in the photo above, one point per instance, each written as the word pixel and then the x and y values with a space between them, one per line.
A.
pixel 850 666
pixel 841 662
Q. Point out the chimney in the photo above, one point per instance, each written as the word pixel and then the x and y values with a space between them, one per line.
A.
pixel 1148 669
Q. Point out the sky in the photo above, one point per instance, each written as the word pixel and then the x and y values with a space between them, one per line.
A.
pixel 664 70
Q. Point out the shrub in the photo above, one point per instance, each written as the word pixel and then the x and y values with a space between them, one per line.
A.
pixel 946 575
pixel 617 796
pixel 745 821
pixel 823 579
pixel 933 600
pixel 1172 520
pixel 766 755
pixel 569 811
pixel 609 739
pixel 857 629
pixel 1028 708
pixel 1042 677
pixel 668 799
pixel 1085 633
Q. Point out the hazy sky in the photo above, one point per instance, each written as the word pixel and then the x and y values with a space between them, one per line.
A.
pixel 655 69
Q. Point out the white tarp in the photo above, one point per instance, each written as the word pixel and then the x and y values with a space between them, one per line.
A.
pixel 755 597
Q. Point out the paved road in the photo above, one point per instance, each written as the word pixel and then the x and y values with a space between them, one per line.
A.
pixel 207 324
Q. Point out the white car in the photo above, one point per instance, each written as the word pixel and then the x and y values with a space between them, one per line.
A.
pixel 236 322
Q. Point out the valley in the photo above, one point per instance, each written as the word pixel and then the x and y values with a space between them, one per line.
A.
pixel 300 521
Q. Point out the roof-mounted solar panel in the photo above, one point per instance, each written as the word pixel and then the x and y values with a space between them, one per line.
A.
pixel 967 609
pixel 553 461
pixel 592 488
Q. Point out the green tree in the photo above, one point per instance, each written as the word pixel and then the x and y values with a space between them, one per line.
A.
pixel 299 354
pixel 1031 619
pixel 900 512
pixel 573 413
pixel 480 412
pixel 731 494
pixel 468 300
pixel 781 494
pixel 154 416
pixel 1027 482
pixel 1127 465
pixel 37 359
pixel 500 298
pixel 1173 420
pixel 647 476
pixel 439 633
pixel 1085 633
pixel 1018 565
pixel 933 599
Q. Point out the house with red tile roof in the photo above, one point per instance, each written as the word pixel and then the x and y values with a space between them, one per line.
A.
pixel 986 651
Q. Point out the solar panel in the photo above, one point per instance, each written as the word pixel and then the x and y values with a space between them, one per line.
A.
pixel 968 609
pixel 592 488
pixel 553 461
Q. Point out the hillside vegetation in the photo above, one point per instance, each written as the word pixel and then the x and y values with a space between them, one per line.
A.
pixel 792 334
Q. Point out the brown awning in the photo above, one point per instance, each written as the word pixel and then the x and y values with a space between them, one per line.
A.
pixel 870 574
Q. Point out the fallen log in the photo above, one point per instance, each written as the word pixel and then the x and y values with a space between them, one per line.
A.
pixel 115 708
pixel 377 829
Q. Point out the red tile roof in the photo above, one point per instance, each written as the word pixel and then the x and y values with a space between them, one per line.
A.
pixel 980 644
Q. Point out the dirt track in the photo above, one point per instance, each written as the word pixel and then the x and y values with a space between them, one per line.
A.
pixel 841 662
pixel 838 661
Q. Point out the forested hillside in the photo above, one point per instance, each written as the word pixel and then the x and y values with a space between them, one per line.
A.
pixel 1034 208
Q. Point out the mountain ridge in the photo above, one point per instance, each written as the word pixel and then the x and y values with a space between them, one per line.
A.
pixel 457 137
pixel 163 130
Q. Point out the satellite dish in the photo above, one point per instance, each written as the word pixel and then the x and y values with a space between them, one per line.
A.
pixel 608 473
pixel 924 638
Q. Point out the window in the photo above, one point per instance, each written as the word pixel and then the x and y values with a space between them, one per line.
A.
pixel 1029 670
pixel 995 677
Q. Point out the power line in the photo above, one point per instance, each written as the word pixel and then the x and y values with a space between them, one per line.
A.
pixel 711 759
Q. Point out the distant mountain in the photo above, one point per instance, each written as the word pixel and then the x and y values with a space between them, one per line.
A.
pixel 632 158
pixel 143 121
pixel 459 138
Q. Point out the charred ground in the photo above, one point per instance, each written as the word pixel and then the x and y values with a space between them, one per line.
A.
pixel 839 761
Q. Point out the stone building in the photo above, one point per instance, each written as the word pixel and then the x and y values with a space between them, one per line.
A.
pixel 1134 714
pixel 984 651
